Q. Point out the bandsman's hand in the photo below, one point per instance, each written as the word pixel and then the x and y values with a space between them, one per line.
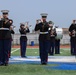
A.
pixel 1 16
pixel 10 21
pixel 70 33
pixel 38 21
pixel 11 28
pixel 41 20
pixel 26 26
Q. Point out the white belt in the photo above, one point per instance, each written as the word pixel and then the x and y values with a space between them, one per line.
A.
pixel 23 35
pixel 43 32
pixel 4 28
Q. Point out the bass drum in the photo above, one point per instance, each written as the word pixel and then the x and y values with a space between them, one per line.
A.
pixel 59 32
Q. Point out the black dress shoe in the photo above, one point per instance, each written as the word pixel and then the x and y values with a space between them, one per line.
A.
pixel 24 56
pixel 51 54
pixel 1 64
pixel 57 53
pixel 43 63
pixel 6 64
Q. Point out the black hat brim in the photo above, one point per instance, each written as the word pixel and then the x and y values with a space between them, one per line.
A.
pixel 5 13
pixel 44 16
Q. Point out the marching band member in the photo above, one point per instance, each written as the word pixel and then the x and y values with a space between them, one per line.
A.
pixel 23 39
pixel 59 36
pixel 72 33
pixel 52 33
pixel 5 36
pixel 44 39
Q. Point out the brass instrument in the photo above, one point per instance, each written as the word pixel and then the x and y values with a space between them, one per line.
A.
pixel 38 21
pixel 52 32
pixel 12 27
pixel 5 20
pixel 73 33
pixel 26 25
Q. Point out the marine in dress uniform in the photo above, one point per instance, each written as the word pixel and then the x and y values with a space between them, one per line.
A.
pixel 52 33
pixel 43 38
pixel 23 39
pixel 5 36
pixel 72 33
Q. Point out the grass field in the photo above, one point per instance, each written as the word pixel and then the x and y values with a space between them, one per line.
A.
pixel 34 69
pixel 35 52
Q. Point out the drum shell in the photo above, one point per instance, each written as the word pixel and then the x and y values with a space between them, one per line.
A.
pixel 59 32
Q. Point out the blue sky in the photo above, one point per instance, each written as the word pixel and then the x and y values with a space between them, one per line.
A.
pixel 61 12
